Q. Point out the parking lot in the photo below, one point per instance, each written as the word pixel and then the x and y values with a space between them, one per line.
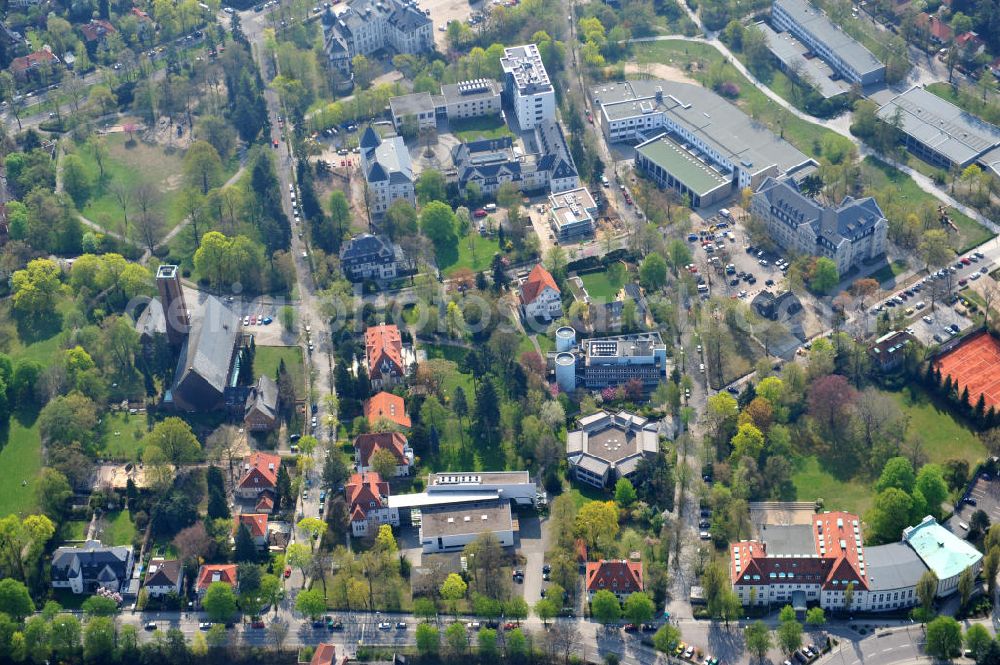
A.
pixel 445 11
pixel 985 493
pixel 926 323
pixel 720 242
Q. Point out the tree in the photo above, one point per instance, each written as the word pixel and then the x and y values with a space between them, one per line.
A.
pixel 15 601
pixel 487 642
pixel 991 566
pixel 824 276
pixel 99 640
pixel 930 483
pixel 666 638
pixel 384 541
pixel 99 606
pixel 311 603
pixel 202 167
pixel 287 317
pixel 978 640
pixel 457 639
pixel 516 608
pixel 314 528
pixel 890 514
pixel 790 636
pixel 815 617
pixel 437 222
pixel 758 639
pixel 944 638
pixel 966 585
pixel 605 607
pixel 430 187
pixel 428 639
pixel 244 548
pixel 64 636
pixel 453 590
pixel 174 439
pixel 935 248
pixel 383 462
pixel 898 473
pixel 927 587
pixel 219 602
pixel 624 492
pixel 639 608
pixel 76 181
pixel 35 290
pixel 748 442
pixel 653 272
pixel 597 523
pixel 546 609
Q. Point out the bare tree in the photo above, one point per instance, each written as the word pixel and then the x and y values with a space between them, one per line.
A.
pixel 990 293
pixel 562 637
pixel 277 633
pixel 123 195
pixel 149 224
pixel 225 444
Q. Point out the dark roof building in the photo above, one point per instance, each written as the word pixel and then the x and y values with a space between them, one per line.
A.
pixel 261 411
pixel 93 566
pixel 205 362
pixel 889 350
pixel 368 256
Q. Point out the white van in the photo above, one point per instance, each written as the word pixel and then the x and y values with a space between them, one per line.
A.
pixel 490 207
pixel 725 213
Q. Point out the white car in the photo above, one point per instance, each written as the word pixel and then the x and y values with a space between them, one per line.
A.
pixel 384 625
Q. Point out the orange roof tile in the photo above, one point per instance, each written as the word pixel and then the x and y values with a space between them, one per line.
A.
pixel 216 573
pixel 618 576
pixel 260 471
pixel 388 406
pixel 384 349
pixel 537 280
pixel 325 654
pixel 256 523
pixel 367 445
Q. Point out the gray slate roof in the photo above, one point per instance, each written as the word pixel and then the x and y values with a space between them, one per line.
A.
pixel 93 561
pixel 264 397
pixel 207 353
pixel 793 539
pixel 823 29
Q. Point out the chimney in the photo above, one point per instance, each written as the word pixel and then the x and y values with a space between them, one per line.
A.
pixel 175 311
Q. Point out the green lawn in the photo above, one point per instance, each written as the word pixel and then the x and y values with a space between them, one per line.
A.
pixel 453 380
pixel 813 482
pixel 879 175
pixel 583 493
pixel 123 435
pixel 21 460
pixel 599 285
pixel 473 129
pixel 474 252
pixel 117 529
pixel 889 270
pixel 267 359
pixel 943 436
pixel 133 166
pixel 697 58
pixel 76 529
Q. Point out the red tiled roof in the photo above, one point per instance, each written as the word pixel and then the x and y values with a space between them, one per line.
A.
pixel 935 26
pixel 969 39
pixel 618 576
pixel 265 502
pixel 363 489
pixel 260 471
pixel 325 654
pixel 26 62
pixel 384 349
pixel 141 14
pixel 97 29
pixel 835 558
pixel 367 445
pixel 256 523
pixel 216 573
pixel 537 280
pixel 388 406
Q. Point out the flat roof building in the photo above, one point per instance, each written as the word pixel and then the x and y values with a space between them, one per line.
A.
pixel 943 552
pixel 843 53
pixel 571 214
pixel 941 133
pixel 710 141
pixel 417 107
pixel 609 446
pixel 527 85
pixel 515 486
pixel 796 58
pixel 449 528
pixel 471 99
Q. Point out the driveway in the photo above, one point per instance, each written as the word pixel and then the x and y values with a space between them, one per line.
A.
pixel 534 539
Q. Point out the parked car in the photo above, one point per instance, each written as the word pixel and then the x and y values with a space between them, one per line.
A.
pixel 384 625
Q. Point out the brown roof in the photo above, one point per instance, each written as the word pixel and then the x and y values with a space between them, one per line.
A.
pixel 265 502
pixel 325 654
pixel 225 572
pixel 162 572
pixel 388 406
pixel 256 523
pixel 260 471
pixel 384 349
pixel 618 576
pixel 537 280
pixel 367 445
pixel 97 29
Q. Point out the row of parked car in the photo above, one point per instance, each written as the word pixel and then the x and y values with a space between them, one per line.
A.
pixel 804 655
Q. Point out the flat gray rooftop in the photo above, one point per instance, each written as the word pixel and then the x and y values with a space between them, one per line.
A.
pixel 892 566
pixel 937 123
pixel 823 29
pixel 792 53
pixel 474 518
pixel 788 540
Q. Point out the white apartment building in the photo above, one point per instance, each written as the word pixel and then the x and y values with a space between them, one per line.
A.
pixel 527 85
pixel 388 171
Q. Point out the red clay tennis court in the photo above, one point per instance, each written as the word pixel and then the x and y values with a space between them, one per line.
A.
pixel 975 363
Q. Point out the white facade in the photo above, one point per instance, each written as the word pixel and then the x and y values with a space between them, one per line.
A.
pixel 375 516
pixel 546 305
pixel 527 85
pixel 447 528
pixel 471 99
pixel 515 486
